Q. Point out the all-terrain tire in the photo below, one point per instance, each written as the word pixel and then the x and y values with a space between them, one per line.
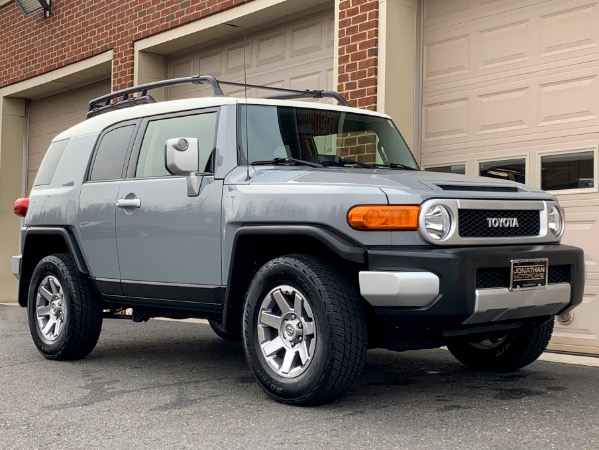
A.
pixel 329 308
pixel 65 319
pixel 517 349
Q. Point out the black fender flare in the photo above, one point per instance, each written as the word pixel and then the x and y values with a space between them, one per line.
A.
pixel 339 244
pixel 27 268
pixel 69 238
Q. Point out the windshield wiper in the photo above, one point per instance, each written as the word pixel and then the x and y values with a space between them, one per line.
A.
pixel 286 161
pixel 396 166
pixel 342 162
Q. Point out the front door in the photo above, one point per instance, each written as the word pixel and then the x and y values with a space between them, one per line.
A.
pixel 168 243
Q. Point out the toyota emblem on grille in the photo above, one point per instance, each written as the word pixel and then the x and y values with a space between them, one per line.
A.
pixel 502 222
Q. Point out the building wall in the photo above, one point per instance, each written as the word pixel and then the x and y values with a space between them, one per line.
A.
pixel 32 45
pixel 358 51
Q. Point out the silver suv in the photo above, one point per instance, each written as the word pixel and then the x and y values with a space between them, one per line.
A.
pixel 303 229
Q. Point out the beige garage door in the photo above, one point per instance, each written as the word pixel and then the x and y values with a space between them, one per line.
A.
pixel 50 116
pixel 511 88
pixel 295 54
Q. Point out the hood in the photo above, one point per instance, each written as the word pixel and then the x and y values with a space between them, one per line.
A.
pixel 391 180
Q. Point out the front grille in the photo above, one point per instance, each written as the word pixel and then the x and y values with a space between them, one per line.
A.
pixel 559 274
pixel 461 187
pixel 499 277
pixel 493 278
pixel 474 223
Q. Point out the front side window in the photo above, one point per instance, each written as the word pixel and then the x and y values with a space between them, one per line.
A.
pixel 151 156
pixel 321 136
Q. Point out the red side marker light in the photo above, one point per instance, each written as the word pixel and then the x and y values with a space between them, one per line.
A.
pixel 21 206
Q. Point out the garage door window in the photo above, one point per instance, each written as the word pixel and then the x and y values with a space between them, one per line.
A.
pixel 507 169
pixel 151 156
pixel 454 168
pixel 568 171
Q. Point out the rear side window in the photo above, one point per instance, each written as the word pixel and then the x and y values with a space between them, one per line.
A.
pixel 50 163
pixel 110 156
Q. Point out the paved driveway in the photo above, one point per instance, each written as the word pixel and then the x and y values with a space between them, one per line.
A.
pixel 166 384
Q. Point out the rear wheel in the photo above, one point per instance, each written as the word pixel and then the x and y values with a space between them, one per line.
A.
pixel 304 331
pixel 65 319
pixel 512 351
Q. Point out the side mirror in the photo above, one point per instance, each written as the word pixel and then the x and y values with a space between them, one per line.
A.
pixel 182 156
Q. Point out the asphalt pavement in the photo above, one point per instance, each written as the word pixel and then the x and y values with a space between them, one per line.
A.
pixel 167 384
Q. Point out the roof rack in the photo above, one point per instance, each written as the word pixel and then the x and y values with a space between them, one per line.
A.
pixel 126 97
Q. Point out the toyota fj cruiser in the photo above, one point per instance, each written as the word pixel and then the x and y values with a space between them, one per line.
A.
pixel 304 229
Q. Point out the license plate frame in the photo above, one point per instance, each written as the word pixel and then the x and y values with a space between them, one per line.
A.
pixel 528 274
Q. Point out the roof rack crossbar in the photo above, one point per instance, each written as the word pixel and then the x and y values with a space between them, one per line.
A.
pixel 312 94
pixel 293 93
pixel 126 97
pixel 104 103
pixel 131 101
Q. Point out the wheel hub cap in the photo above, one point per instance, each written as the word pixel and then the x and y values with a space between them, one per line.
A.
pixel 50 308
pixel 292 330
pixel 286 331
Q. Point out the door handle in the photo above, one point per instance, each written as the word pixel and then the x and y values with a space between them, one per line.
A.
pixel 128 203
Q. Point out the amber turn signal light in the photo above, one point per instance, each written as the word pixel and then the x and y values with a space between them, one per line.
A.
pixel 21 206
pixel 384 217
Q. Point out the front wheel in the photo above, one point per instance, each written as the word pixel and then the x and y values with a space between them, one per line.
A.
pixel 65 319
pixel 304 331
pixel 506 353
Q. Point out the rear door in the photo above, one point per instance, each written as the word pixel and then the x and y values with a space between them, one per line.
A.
pixel 97 203
pixel 169 243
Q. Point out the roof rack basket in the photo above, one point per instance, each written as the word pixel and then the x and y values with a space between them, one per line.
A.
pixel 127 97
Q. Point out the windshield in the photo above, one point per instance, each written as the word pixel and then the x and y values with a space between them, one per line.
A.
pixel 321 136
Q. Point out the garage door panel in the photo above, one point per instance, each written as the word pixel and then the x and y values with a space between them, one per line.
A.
pixel 446 57
pixel 520 41
pixel 504 44
pixel 296 54
pixel 580 335
pixel 235 59
pixel 445 119
pixel 211 63
pixel 567 28
pixel 562 102
pixel 271 49
pixel 306 39
pixel 520 80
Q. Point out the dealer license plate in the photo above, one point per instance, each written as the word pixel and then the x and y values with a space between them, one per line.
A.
pixel 529 274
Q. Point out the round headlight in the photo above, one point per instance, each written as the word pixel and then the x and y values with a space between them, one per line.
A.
pixel 556 221
pixel 437 222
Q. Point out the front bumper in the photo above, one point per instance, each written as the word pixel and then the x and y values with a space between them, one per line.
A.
pixel 456 301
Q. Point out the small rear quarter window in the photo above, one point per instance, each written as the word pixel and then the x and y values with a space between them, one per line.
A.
pixel 50 163
pixel 111 153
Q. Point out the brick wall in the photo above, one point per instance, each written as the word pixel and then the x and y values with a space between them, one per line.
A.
pixel 358 51
pixel 31 45
pixel 359 146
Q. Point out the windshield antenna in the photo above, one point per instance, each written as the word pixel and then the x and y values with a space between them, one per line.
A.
pixel 245 109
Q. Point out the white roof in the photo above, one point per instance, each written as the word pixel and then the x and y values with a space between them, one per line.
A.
pixel 96 124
